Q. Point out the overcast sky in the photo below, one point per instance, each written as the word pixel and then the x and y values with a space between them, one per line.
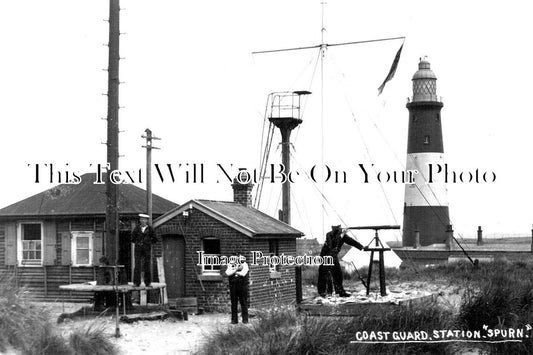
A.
pixel 190 77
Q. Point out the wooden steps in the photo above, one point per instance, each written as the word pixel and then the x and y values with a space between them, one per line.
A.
pixel 186 304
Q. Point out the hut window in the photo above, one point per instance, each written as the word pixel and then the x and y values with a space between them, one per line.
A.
pixel 82 248
pixel 31 243
pixel 211 259
pixel 273 249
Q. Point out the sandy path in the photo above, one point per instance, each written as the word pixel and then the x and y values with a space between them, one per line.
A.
pixel 168 336
pixel 173 336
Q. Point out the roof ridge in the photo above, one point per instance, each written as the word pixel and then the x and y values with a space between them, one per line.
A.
pixel 82 198
pixel 204 199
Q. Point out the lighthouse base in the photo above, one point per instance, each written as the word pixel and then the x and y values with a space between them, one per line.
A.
pixel 430 221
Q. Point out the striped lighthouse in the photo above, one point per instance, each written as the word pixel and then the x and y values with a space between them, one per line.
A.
pixel 426 204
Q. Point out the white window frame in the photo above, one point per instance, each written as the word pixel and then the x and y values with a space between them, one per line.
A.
pixel 73 250
pixel 20 261
pixel 275 242
pixel 210 271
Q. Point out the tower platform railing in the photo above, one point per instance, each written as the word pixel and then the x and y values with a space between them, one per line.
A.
pixel 286 104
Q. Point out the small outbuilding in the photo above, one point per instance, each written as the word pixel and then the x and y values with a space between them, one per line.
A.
pixel 216 229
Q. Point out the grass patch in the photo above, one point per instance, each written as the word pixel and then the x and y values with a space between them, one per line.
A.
pixel 503 301
pixel 91 341
pixel 425 317
pixel 22 327
pixel 283 331
pixel 498 295
pixel 27 329
pixel 276 331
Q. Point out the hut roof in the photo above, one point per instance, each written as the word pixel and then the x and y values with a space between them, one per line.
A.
pixel 85 198
pixel 247 220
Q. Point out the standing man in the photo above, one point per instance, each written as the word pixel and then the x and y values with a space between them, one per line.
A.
pixel 143 236
pixel 332 246
pixel 238 288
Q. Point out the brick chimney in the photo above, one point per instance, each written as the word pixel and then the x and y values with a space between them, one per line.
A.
pixel 242 193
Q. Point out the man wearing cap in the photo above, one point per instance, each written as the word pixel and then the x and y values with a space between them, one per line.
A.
pixel 143 236
pixel 332 246
pixel 238 288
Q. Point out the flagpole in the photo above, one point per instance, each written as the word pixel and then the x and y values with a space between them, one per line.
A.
pixel 322 54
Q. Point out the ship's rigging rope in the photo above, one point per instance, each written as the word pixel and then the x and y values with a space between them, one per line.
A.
pixel 308 89
pixel 302 218
pixel 266 142
pixel 266 151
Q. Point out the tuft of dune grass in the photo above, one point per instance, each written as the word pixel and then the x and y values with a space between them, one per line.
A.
pixel 26 329
pixel 497 294
pixel 91 340
pixel 504 300
pixel 283 331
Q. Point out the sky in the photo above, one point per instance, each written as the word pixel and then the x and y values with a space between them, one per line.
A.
pixel 189 75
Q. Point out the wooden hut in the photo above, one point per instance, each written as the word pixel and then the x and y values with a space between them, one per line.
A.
pixel 56 237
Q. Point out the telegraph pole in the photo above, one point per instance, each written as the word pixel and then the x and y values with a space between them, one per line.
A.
pixel 149 146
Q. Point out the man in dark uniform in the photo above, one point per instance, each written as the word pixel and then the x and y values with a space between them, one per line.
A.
pixel 238 288
pixel 143 236
pixel 332 246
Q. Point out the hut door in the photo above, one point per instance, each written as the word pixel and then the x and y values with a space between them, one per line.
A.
pixel 174 264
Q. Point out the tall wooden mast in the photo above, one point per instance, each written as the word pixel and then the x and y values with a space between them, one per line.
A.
pixel 111 240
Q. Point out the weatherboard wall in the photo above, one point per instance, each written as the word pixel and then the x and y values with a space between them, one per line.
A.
pixel 2 245
pixel 42 282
